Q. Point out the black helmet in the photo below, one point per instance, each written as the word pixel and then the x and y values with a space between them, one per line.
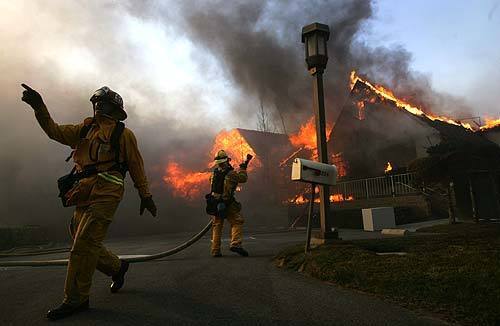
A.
pixel 105 94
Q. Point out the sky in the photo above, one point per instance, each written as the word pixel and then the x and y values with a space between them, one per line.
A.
pixel 455 42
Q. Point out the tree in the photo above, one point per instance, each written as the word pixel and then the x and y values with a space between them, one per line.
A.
pixel 264 121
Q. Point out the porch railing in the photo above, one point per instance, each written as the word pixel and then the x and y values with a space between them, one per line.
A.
pixel 386 186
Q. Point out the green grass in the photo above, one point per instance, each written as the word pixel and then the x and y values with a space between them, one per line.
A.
pixel 455 272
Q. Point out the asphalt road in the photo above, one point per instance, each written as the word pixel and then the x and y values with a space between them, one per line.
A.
pixel 192 288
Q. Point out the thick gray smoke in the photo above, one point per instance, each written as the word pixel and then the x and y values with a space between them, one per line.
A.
pixel 66 50
pixel 258 45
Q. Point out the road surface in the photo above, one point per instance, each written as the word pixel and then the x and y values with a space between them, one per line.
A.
pixel 192 288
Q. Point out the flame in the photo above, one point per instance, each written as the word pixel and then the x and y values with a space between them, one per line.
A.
pixel 306 136
pixel 298 200
pixel 361 110
pixel 490 123
pixel 388 168
pixel 388 95
pixel 336 198
pixel 189 184
pixel 338 161
pixel 236 148
pixel 353 78
pixel 185 183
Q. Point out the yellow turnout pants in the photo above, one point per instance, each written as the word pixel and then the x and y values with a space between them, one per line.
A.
pixel 88 229
pixel 236 220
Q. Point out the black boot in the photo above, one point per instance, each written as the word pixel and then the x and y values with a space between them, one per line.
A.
pixel 119 278
pixel 240 251
pixel 65 310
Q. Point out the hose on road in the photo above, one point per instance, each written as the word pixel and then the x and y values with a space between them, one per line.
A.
pixel 133 259
pixel 36 253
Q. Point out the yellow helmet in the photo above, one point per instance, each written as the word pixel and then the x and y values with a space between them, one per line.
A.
pixel 221 157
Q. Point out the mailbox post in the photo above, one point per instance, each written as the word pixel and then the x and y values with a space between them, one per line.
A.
pixel 314 173
pixel 309 218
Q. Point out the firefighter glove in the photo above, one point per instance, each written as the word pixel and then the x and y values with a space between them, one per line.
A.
pixel 32 97
pixel 149 204
pixel 244 165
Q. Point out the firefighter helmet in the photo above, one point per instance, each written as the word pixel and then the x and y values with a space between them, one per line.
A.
pixel 105 94
pixel 221 157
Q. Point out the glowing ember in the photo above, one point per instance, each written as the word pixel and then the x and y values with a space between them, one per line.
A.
pixel 490 123
pixel 361 110
pixel 236 148
pixel 298 200
pixel 388 167
pixel 388 95
pixel 306 136
pixel 186 183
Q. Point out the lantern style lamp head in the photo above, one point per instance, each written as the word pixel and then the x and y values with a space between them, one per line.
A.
pixel 315 37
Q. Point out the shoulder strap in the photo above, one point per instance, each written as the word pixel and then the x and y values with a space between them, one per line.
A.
pixel 115 139
pixel 87 125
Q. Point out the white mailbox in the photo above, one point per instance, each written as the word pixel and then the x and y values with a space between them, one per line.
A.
pixel 314 172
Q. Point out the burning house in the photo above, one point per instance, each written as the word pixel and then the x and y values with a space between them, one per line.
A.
pixel 375 139
pixel 267 186
pixel 380 136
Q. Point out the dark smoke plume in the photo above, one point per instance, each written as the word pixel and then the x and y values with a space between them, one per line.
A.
pixel 258 46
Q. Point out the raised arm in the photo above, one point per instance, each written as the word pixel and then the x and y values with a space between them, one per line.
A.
pixel 64 134
pixel 231 182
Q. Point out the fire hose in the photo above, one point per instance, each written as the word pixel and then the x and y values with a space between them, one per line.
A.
pixel 133 259
pixel 36 253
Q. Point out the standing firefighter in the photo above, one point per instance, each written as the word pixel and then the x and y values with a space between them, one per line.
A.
pixel 103 151
pixel 224 181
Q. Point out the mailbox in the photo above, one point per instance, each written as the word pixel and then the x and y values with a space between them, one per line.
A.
pixel 314 172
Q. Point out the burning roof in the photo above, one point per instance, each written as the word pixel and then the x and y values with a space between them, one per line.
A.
pixel 376 127
pixel 360 85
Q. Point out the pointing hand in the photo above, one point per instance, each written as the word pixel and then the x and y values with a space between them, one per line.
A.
pixel 32 97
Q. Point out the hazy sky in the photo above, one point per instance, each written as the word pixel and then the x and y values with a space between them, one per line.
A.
pixel 455 42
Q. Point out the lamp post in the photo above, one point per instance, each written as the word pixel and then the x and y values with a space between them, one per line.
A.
pixel 315 37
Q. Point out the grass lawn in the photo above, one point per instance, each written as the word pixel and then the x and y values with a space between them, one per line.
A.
pixel 455 273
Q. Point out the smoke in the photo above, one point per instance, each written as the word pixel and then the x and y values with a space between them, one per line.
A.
pixel 185 70
pixel 66 50
pixel 259 46
pixel 390 67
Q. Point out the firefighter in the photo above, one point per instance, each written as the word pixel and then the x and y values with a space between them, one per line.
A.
pixel 102 165
pixel 224 181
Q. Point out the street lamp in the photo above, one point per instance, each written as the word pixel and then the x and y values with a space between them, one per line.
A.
pixel 315 37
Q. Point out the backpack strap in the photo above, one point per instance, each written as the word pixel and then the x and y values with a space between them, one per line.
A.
pixel 115 139
pixel 87 125
pixel 84 131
